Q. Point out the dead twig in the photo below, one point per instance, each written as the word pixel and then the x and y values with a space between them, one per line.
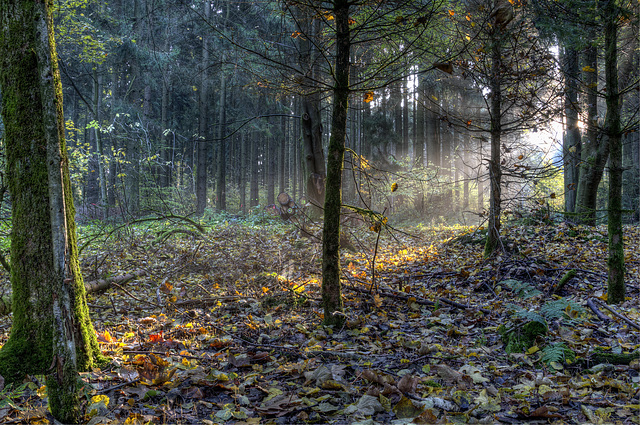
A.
pixel 618 315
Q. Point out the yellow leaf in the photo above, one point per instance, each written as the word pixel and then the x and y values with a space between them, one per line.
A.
pixel 377 300
pixel 394 187
pixel 368 97
pixel 451 12
pixel 42 391
pixel 533 349
pixel 587 68
pixel 100 398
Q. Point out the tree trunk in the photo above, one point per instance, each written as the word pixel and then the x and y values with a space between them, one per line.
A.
pixel 616 285
pixel 493 243
pixel 102 177
pixel 433 139
pixel 311 125
pixel 571 145
pixel 405 117
pixel 282 160
pixel 331 285
pixel 253 157
pixel 203 123
pixel 242 179
pixel 396 101
pixel 221 189
pixel 51 324
pixel 595 149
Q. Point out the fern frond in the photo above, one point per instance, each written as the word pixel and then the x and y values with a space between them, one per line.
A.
pixel 557 352
pixel 562 309
pixel 530 316
pixel 523 290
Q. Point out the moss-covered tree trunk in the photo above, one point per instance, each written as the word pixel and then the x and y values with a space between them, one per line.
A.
pixel 616 288
pixel 331 286
pixel 51 331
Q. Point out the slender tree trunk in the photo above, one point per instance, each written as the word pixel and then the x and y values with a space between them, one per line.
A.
pixel 480 177
pixel 166 139
pixel 51 332
pixel 433 139
pixel 493 243
pixel 571 146
pixel 331 285
pixel 396 101
pixel 405 117
pixel 282 149
pixel 221 189
pixel 203 122
pixel 102 177
pixel 616 286
pixel 253 157
pixel 242 179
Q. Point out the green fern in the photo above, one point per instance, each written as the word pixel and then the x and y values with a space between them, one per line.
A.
pixel 526 315
pixel 562 309
pixel 557 352
pixel 523 290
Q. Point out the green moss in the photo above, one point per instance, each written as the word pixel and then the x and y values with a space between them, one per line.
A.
pixel 63 396
pixel 29 348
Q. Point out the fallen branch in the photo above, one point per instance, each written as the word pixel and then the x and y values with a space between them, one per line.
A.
pixel 419 300
pixel 90 287
pixel 102 284
pixel 204 302
pixel 620 316
pixel 592 305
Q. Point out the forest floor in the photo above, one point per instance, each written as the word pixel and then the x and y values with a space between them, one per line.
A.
pixel 225 326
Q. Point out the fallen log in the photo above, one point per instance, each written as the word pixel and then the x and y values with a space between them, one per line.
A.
pixel 90 287
pixel 102 284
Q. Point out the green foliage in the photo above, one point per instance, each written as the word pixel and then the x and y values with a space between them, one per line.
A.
pixel 562 309
pixel 528 315
pixel 77 31
pixel 557 352
pixel 523 290
pixel 525 326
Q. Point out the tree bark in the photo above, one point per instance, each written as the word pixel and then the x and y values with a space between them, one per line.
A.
pixel 221 188
pixel 595 149
pixel 493 243
pixel 571 145
pixel 203 123
pixel 331 285
pixel 51 332
pixel 311 120
pixel 616 285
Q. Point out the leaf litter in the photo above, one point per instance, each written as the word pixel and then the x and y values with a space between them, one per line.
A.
pixel 226 327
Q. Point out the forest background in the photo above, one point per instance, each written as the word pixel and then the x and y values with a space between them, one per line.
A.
pixel 505 112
